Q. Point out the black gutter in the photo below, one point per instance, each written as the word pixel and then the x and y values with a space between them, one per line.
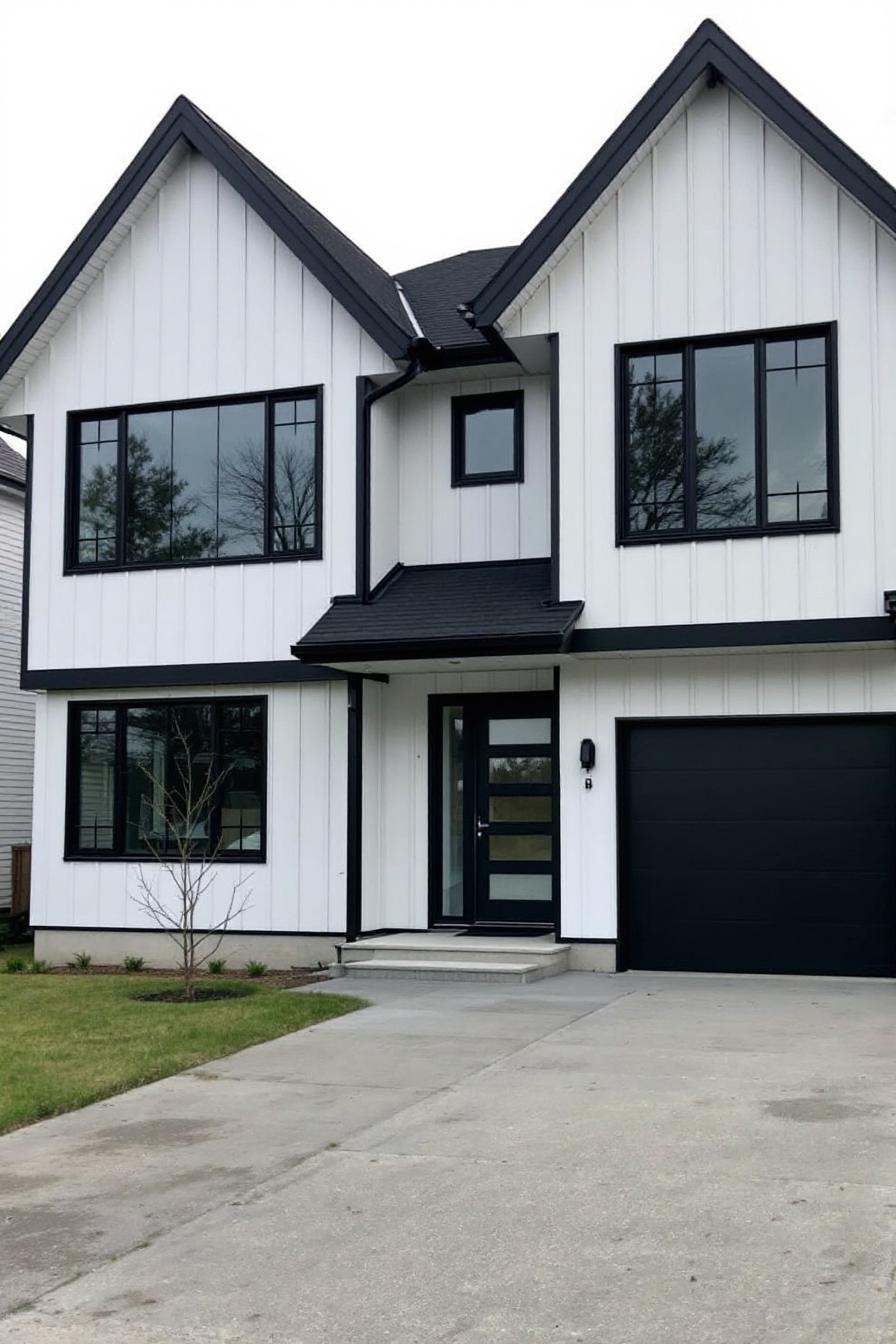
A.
pixel 733 634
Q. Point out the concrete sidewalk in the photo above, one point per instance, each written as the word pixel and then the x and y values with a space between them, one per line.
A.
pixel 622 1160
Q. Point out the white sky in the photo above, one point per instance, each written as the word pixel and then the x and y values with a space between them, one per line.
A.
pixel 421 129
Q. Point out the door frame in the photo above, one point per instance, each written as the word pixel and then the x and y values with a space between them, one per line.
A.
pixel 623 728
pixel 543 701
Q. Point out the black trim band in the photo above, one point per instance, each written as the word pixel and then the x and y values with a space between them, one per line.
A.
pixel 174 674
pixel 734 634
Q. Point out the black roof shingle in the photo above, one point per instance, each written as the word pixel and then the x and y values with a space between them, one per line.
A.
pixel 435 290
pixel 448 611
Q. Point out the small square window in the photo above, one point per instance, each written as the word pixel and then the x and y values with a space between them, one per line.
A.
pixel 487 439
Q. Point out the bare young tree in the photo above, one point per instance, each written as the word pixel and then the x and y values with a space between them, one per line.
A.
pixel 185 853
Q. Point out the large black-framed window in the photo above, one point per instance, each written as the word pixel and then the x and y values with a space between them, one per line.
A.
pixel 731 435
pixel 132 765
pixel 487 438
pixel 212 481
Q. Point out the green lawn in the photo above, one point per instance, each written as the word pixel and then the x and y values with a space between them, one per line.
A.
pixel 67 1040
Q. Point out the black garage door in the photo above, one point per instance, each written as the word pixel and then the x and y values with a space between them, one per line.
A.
pixel 759 846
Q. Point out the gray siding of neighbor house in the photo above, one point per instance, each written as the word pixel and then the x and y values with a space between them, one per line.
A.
pixel 16 706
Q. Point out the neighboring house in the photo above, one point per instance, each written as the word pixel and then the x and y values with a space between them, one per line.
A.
pixel 542 587
pixel 16 705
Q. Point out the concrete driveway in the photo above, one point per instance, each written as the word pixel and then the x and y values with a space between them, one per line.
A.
pixel 624 1160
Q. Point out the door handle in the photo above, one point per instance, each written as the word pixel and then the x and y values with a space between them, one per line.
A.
pixel 481 828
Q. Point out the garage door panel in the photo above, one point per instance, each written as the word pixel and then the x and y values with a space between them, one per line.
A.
pixel 748 948
pixel 757 846
pixel 837 795
pixel 721 897
pixel 766 846
pixel 798 744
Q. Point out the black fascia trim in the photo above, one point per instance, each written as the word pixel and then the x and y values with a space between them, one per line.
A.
pixel 734 634
pixel 175 674
pixel 480 646
pixel 234 932
pixel 708 48
pixel 73 853
pixel 26 555
pixel 686 345
pixel 485 401
pixel 184 121
pixel 121 564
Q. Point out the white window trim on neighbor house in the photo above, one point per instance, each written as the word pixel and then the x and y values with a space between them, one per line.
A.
pixel 559 573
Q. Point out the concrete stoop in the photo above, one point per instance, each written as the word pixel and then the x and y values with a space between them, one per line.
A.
pixel 447 956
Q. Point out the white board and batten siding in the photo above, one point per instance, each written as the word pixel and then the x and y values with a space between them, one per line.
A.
pixel 418 517
pixel 596 693
pixel 301 886
pixel 200 299
pixel 723 226
pixel 16 706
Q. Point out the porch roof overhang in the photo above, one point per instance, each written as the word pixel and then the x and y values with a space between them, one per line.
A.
pixel 445 611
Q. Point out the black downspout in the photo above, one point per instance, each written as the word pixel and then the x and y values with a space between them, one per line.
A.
pixel 353 812
pixel 420 352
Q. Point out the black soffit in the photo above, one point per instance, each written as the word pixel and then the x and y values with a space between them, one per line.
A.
pixel 431 611
pixel 709 51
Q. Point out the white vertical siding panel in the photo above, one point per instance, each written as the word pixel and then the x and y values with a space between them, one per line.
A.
pixel 229 609
pixel 285 748
pixel 174 280
pixel 566 315
pixel 533 497
pixel 231 307
pixel 91 346
pixel 670 232
pixel 260 312
pixel 413 484
pixel 139 611
pixel 315 737
pixel 57 629
pixel 535 317
pixel 257 614
pixel 203 291
pixel 635 250
pixel 170 616
pixel 818 244
pixel 337 746
pixel 709 581
pixel 287 617
pixel 782 230
pixel 857 362
pixel 339 468
pixel 287 317
pixel 707 125
pixel 746 305
pixel 113 628
pixel 147 283
pixel 597 494
pixel 885 438
pixel 317 319
pixel 118 337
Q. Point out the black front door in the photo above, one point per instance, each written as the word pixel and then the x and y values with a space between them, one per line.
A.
pixel 494 805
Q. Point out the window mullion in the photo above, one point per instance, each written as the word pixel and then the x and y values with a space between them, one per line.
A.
pixel 214 814
pixel 761 438
pixel 269 475
pixel 122 496
pixel 690 440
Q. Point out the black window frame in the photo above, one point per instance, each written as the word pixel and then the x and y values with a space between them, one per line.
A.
pixel 72 563
pixel 686 347
pixel 119 852
pixel 485 401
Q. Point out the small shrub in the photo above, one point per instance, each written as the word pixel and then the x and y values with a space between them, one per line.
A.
pixel 133 963
pixel 216 966
pixel 82 961
pixel 255 969
pixel 14 965
pixel 39 967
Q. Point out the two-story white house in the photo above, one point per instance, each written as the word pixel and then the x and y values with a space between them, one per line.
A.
pixel 540 589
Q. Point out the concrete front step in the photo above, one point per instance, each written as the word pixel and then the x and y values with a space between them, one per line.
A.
pixel 503 972
pixel 449 947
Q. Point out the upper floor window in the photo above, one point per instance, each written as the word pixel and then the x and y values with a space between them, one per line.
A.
pixel 146 776
pixel 728 435
pixel 487 439
pixel 237 478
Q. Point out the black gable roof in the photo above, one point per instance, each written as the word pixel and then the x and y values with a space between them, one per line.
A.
pixel 434 292
pixel 708 51
pixel 353 278
pixel 431 611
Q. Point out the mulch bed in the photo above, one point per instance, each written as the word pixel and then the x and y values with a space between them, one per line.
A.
pixel 289 979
